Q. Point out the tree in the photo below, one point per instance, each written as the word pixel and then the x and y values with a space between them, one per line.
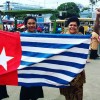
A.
pixel 53 17
pixel 93 2
pixel 85 8
pixel 68 10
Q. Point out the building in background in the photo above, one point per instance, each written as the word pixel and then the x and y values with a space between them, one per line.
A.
pixel 18 6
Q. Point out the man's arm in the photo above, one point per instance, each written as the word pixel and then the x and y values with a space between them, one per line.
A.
pixel 97 24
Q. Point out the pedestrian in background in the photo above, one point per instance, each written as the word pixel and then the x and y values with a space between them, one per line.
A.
pixel 81 30
pixel 95 39
pixel 94 45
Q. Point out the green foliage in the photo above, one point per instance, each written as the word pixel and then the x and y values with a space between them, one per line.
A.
pixel 85 8
pixel 22 16
pixel 68 10
pixel 54 16
pixel 93 2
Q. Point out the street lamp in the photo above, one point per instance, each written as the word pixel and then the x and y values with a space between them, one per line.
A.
pixel 44 3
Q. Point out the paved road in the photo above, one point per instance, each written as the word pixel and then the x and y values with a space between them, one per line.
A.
pixel 91 87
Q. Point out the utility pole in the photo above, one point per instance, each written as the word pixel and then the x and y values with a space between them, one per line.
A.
pixel 8 8
pixel 8 5
pixel 57 4
pixel 44 3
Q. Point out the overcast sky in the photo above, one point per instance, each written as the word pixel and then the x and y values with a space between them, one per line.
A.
pixel 48 3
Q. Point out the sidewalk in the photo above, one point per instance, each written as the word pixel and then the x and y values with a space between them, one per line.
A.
pixel 91 87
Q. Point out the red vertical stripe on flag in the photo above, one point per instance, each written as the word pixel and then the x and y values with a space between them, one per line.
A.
pixel 10 43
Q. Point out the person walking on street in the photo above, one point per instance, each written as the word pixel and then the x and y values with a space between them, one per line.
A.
pixel 95 39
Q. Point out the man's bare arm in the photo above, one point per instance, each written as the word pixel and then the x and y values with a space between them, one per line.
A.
pixel 97 22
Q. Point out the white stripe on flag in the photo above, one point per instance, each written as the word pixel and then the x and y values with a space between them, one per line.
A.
pixel 55 40
pixel 32 59
pixel 69 59
pixel 42 50
pixel 38 80
pixel 60 58
pixel 78 50
pixel 53 50
pixel 58 67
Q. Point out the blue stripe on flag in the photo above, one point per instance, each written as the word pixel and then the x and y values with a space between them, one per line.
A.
pixel 52 45
pixel 46 45
pixel 27 76
pixel 27 63
pixel 82 45
pixel 72 54
pixel 50 70
pixel 77 36
pixel 36 54
pixel 72 64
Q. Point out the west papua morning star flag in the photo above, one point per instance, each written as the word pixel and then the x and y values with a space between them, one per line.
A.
pixel 32 59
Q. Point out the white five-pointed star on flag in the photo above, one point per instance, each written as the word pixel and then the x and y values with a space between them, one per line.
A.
pixel 4 59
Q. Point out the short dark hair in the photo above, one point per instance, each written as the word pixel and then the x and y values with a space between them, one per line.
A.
pixel 72 19
pixel 27 18
pixel 81 29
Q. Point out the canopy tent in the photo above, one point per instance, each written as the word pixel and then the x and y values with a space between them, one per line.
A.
pixel 20 26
